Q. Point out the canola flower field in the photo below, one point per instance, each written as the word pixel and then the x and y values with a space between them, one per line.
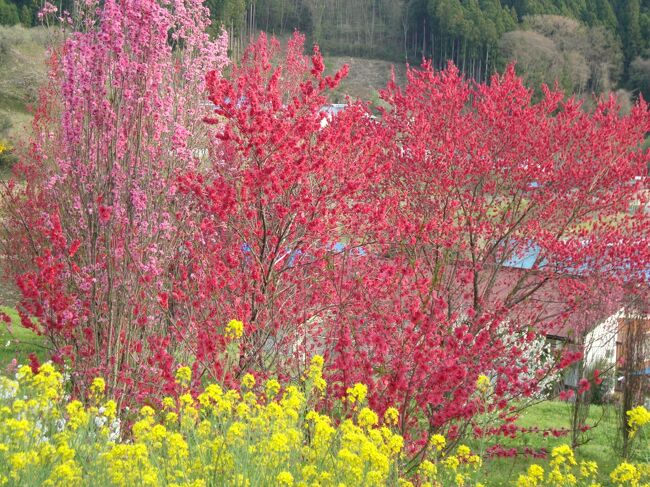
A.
pixel 263 434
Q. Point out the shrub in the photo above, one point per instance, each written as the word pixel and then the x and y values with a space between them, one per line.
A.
pixel 8 13
pixel 7 157
pixel 95 230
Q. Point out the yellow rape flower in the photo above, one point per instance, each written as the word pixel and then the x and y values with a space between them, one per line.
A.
pixel 248 381
pixel 438 442
pixel 483 383
pixel 234 329
pixel 588 469
pixel 285 478
pixel 97 387
pixel 637 418
pixel 147 411
pixel 395 444
pixel 272 388
pixel 463 451
pixel 67 473
pixel 110 409
pixel 77 415
pixel 428 469
pixel 562 454
pixel 184 376
pixel 186 400
pixel 536 472
pixel 625 473
pixel 171 418
pixel 367 418
pixel 534 477
pixel 391 416
pixel 24 374
pixel 315 374
pixel 451 462
pixel 357 393
pixel 213 442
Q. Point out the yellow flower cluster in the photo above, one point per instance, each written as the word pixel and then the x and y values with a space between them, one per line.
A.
pixel 565 471
pixel 533 477
pixel 314 376
pixel 217 438
pixel 391 416
pixel 637 418
pixel 438 468
pixel 234 329
pixel 483 383
pixel 357 393
pixel 184 376
pixel 626 474
pixel 438 442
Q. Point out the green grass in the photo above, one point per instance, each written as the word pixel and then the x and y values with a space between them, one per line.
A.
pixel 18 342
pixel 556 414
pixel 365 78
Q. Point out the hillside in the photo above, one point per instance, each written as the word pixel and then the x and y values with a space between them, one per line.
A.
pixel 366 76
pixel 22 64
pixel 477 35
pixel 472 33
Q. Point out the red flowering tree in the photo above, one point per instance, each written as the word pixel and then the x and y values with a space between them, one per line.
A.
pixel 505 220
pixel 282 202
pixel 95 231
pixel 418 251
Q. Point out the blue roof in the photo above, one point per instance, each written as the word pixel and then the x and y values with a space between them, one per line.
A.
pixel 645 371
pixel 525 259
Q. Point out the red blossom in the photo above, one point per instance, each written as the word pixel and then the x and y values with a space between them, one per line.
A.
pixel 34 363
pixel 104 213
pixel 566 394
pixel 597 378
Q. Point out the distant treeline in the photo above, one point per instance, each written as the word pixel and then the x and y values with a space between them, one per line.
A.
pixel 589 45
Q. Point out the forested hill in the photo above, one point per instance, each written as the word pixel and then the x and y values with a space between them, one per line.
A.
pixel 589 45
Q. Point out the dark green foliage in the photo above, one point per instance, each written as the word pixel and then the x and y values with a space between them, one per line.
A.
pixel 8 13
pixel 640 76
pixel 227 12
pixel 26 16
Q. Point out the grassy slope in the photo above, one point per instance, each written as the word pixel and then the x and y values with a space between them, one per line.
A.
pixel 17 342
pixel 365 78
pixel 22 70
pixel 555 414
